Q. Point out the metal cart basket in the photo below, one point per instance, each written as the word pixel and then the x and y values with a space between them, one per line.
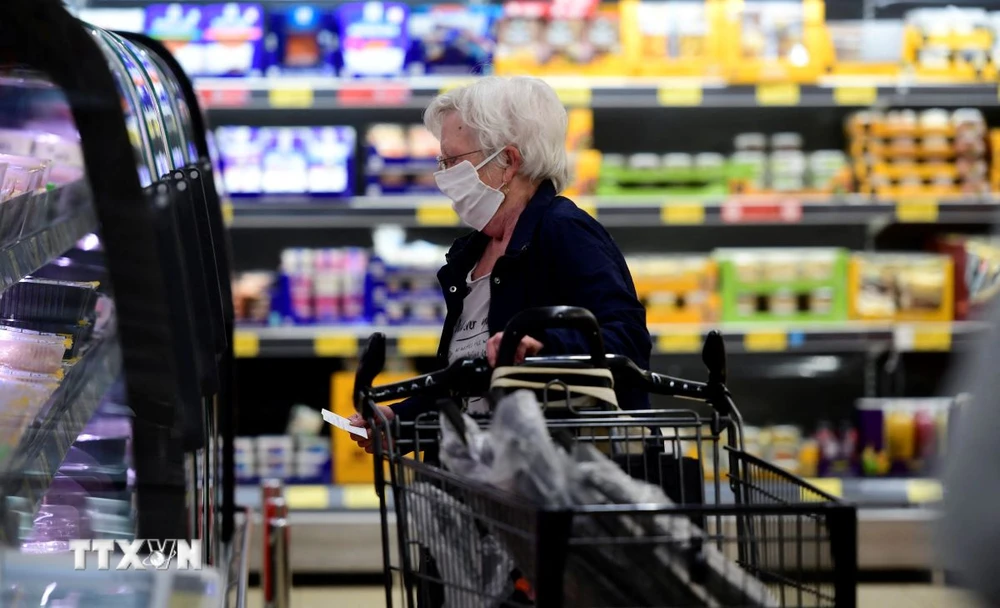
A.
pixel 732 529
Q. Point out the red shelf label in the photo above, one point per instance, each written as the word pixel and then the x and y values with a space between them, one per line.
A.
pixel 737 212
pixel 223 98
pixel 380 94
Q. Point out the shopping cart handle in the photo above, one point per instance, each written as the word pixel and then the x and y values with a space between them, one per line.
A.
pixel 463 378
pixel 369 367
pixel 551 317
pixel 713 355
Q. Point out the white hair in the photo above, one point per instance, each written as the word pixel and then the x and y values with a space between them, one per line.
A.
pixel 520 111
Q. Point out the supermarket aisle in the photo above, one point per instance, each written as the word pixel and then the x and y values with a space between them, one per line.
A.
pixel 869 596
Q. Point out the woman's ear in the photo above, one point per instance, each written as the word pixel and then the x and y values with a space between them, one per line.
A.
pixel 514 161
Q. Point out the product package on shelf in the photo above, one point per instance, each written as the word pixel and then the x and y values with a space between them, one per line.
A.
pixel 783 284
pixel 977 271
pixel 676 289
pixel 324 286
pixel 905 436
pixel 950 44
pixel 672 38
pixel 905 153
pixel 562 37
pixel 403 294
pixel 778 163
pixel 779 41
pixel 452 39
pixel 302 459
pixel 301 40
pixel 373 38
pixel 901 287
pixel 313 161
pixel 866 48
pixel 211 39
pixel 401 159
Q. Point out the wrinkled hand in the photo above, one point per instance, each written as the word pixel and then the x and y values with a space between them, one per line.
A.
pixel 528 347
pixel 358 421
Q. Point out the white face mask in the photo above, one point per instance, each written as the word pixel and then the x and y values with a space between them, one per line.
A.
pixel 473 201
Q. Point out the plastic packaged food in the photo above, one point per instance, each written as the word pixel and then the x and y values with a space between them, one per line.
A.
pixel 46 300
pixel 32 351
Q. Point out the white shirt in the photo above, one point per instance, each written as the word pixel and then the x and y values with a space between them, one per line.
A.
pixel 472 331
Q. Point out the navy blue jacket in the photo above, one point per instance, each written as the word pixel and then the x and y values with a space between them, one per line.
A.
pixel 557 256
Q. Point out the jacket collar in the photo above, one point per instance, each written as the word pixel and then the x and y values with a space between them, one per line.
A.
pixel 467 250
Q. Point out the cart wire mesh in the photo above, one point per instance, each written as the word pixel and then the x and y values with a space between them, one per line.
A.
pixel 462 543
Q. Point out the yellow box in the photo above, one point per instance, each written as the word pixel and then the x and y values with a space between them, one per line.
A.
pixel 677 289
pixel 672 39
pixel 901 287
pixel 752 54
pixel 351 464
pixel 526 32
pixel 586 173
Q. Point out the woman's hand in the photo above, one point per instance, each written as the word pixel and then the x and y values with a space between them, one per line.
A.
pixel 528 347
pixel 358 421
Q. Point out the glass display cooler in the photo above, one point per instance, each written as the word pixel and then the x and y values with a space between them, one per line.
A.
pixel 116 323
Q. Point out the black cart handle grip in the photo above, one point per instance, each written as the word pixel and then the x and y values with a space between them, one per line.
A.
pixel 552 317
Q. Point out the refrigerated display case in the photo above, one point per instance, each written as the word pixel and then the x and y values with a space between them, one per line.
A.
pixel 115 321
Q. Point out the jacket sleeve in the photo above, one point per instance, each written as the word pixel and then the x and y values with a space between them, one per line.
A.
pixel 409 409
pixel 589 271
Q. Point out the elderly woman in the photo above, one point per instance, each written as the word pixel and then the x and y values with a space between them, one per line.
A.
pixel 503 162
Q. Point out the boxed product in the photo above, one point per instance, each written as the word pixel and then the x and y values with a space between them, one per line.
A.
pixel 901 287
pixel 904 436
pixel 867 47
pixel 783 284
pixel 403 294
pixel 679 174
pixel 211 39
pixel 569 37
pixel 672 38
pixel 776 40
pixel 317 161
pixel 977 271
pixel 676 289
pixel 320 286
pixel 950 44
pixel 452 38
pixel 301 40
pixel 401 159
pixel 374 38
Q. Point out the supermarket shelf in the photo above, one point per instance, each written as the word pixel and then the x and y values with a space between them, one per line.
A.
pixel 301 212
pixel 31 465
pixel 29 253
pixel 347 341
pixel 319 93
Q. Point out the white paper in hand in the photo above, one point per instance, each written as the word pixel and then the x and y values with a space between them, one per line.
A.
pixel 343 424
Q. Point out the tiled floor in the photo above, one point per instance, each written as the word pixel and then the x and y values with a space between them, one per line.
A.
pixel 869 596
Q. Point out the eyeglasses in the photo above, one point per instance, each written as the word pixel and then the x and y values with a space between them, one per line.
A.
pixel 449 162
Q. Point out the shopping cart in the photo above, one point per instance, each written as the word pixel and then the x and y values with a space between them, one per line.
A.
pixel 732 525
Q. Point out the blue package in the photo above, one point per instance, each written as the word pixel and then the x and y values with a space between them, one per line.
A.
pixel 373 39
pixel 301 40
pixel 330 155
pixel 453 39
pixel 240 159
pixel 211 39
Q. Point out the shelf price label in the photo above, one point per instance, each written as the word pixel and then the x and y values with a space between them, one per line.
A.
pixel 917 210
pixel 855 96
pixel 455 83
pixel 227 212
pixel 766 341
pixel 683 213
pixel 778 94
pixel 246 344
pixel 291 97
pixel 922 338
pixel 579 97
pixel 335 345
pixel 418 345
pixel 777 211
pixel 679 342
pixel 359 496
pixel 436 213
pixel 307 498
pixel 588 206
pixel 831 485
pixel 923 491
pixel 683 95
pixel 374 95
